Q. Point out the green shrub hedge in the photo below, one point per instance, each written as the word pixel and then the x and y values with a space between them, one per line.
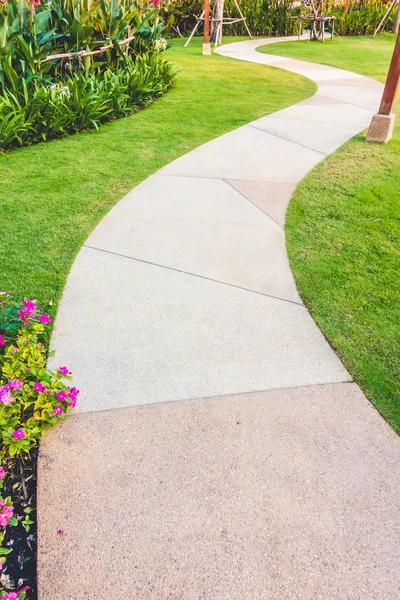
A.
pixel 70 65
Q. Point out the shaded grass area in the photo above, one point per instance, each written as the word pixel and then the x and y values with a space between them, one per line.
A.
pixel 343 237
pixel 364 55
pixel 52 195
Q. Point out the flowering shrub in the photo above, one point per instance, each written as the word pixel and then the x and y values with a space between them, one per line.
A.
pixel 32 399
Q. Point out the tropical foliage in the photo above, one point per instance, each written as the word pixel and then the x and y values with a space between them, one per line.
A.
pixel 272 17
pixel 70 65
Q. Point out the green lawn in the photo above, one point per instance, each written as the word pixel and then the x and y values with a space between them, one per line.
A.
pixel 52 195
pixel 364 55
pixel 343 237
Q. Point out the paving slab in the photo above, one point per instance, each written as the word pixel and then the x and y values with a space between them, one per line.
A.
pixel 247 153
pixel 326 138
pixel 365 97
pixel 160 335
pixel 202 226
pixel 272 198
pixel 338 114
pixel 280 495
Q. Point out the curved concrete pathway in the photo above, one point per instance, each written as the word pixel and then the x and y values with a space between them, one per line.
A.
pixel 280 482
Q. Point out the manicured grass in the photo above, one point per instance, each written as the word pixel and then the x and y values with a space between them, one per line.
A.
pixel 343 238
pixel 52 195
pixel 364 55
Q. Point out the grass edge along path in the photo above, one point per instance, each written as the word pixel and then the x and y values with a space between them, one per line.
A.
pixel 53 194
pixel 343 236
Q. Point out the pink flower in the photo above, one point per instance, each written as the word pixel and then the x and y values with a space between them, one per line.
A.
pixel 5 515
pixel 2 472
pixel 16 384
pixel 30 305
pixel 44 319
pixel 23 316
pixel 72 395
pixel 6 397
pixel 10 596
pixel 60 532
pixel 14 350
pixel 61 396
pixel 28 311
pixel 38 387
pixel 63 371
pixel 57 411
pixel 19 434
pixel 2 342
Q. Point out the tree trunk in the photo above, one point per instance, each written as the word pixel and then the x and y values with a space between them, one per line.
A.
pixel 396 23
pixel 216 35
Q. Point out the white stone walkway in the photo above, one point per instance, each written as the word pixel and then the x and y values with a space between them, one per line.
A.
pixel 281 483
pixel 184 289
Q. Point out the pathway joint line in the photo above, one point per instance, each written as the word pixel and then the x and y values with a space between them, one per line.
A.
pixel 195 399
pixel 153 264
pixel 287 139
pixel 253 203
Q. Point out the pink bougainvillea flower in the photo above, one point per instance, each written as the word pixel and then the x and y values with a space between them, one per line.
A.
pixel 5 515
pixel 19 434
pixel 61 396
pixel 63 371
pixel 16 384
pixel 38 387
pixel 2 342
pixel 44 319
pixel 2 472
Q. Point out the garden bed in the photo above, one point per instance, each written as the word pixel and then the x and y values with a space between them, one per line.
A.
pixel 32 399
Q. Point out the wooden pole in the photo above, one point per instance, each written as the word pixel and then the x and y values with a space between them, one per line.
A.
pixel 392 81
pixel 381 128
pixel 206 44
